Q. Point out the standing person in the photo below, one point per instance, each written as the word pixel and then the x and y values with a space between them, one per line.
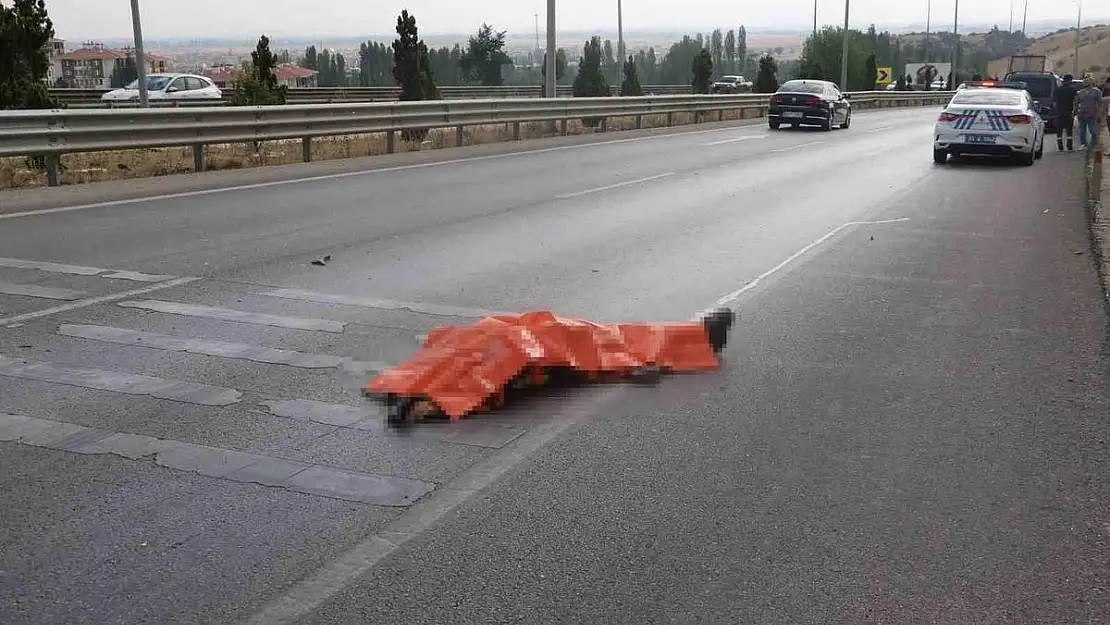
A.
pixel 1087 103
pixel 1065 113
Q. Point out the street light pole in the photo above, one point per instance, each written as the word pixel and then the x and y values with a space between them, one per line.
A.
pixel 140 59
pixel 814 17
pixel 620 34
pixel 844 52
pixel 550 89
pixel 1024 15
pixel 1011 28
pixel 928 26
pixel 1078 22
pixel 955 49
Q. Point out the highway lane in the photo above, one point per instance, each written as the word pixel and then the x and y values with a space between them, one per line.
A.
pixel 189 536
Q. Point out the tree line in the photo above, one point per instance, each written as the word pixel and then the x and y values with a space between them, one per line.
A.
pixel 868 50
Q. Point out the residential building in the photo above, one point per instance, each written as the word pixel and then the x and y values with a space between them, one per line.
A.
pixel 91 66
pixel 54 49
pixel 293 76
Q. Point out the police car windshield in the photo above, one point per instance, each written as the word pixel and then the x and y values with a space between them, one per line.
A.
pixel 797 86
pixel 994 97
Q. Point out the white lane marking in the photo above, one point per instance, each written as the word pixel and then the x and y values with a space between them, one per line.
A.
pixel 126 383
pixel 92 301
pixel 237 316
pixel 42 292
pixel 733 296
pixel 78 270
pixel 312 479
pixel 220 349
pixel 135 276
pixel 795 147
pixel 316 588
pixel 567 196
pixel 881 128
pixel 735 139
pixel 349 174
pixel 39 265
pixel 385 304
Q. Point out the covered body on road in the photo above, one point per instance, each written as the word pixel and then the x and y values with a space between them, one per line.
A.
pixel 462 369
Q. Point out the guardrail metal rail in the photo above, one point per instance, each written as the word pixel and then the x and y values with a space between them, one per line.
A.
pixel 52 133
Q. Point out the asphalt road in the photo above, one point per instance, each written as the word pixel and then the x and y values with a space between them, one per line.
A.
pixel 909 425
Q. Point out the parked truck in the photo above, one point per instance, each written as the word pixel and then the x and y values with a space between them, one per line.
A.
pixel 1028 63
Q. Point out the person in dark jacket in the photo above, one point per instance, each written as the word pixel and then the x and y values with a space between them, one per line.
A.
pixel 1065 113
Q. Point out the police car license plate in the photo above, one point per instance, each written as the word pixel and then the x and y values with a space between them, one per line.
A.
pixel 981 139
pixel 792 114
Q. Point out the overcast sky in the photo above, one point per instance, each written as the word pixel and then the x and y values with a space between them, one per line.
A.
pixel 78 19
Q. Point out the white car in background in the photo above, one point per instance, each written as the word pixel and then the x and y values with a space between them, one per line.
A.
pixel 167 87
pixel 995 120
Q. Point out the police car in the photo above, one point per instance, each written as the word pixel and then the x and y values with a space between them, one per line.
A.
pixel 990 119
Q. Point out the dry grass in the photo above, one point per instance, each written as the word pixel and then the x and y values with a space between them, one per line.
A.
pixel 1094 52
pixel 130 164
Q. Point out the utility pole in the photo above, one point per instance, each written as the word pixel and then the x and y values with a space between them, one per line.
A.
pixel 1011 28
pixel 1024 15
pixel 140 58
pixel 928 26
pixel 537 15
pixel 1078 21
pixel 620 35
pixel 956 48
pixel 844 52
pixel 814 17
pixel 551 92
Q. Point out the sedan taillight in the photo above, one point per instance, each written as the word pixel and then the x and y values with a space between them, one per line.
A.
pixel 813 101
pixel 1020 119
pixel 948 117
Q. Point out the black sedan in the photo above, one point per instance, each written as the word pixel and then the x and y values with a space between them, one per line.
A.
pixel 809 103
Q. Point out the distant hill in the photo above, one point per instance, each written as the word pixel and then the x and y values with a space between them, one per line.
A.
pixel 1059 47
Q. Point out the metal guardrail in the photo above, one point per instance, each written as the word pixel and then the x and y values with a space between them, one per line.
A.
pixel 51 133
pixel 328 95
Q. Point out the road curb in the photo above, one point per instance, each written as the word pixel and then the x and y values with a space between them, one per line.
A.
pixel 1097 219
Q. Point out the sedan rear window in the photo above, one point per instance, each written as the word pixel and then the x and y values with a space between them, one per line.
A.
pixel 1000 97
pixel 797 86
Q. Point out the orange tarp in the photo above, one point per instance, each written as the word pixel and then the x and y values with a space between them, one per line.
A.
pixel 460 367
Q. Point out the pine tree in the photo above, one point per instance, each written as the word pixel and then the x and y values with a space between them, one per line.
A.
pixel 703 71
pixel 765 80
pixel 25 31
pixel 259 85
pixel 590 81
pixel 870 73
pixel 412 69
pixel 631 84
pixel 485 55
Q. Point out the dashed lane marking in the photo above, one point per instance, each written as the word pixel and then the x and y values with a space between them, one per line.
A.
pixel 113 381
pixel 237 316
pixel 312 479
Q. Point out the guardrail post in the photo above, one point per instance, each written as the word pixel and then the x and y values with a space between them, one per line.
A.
pixel 563 123
pixel 390 141
pixel 516 131
pixel 604 125
pixel 670 119
pixel 639 122
pixel 198 157
pixel 720 114
pixel 53 165
pixel 459 136
pixel 306 149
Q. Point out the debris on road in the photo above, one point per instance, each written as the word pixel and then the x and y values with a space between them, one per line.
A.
pixel 322 261
pixel 466 369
